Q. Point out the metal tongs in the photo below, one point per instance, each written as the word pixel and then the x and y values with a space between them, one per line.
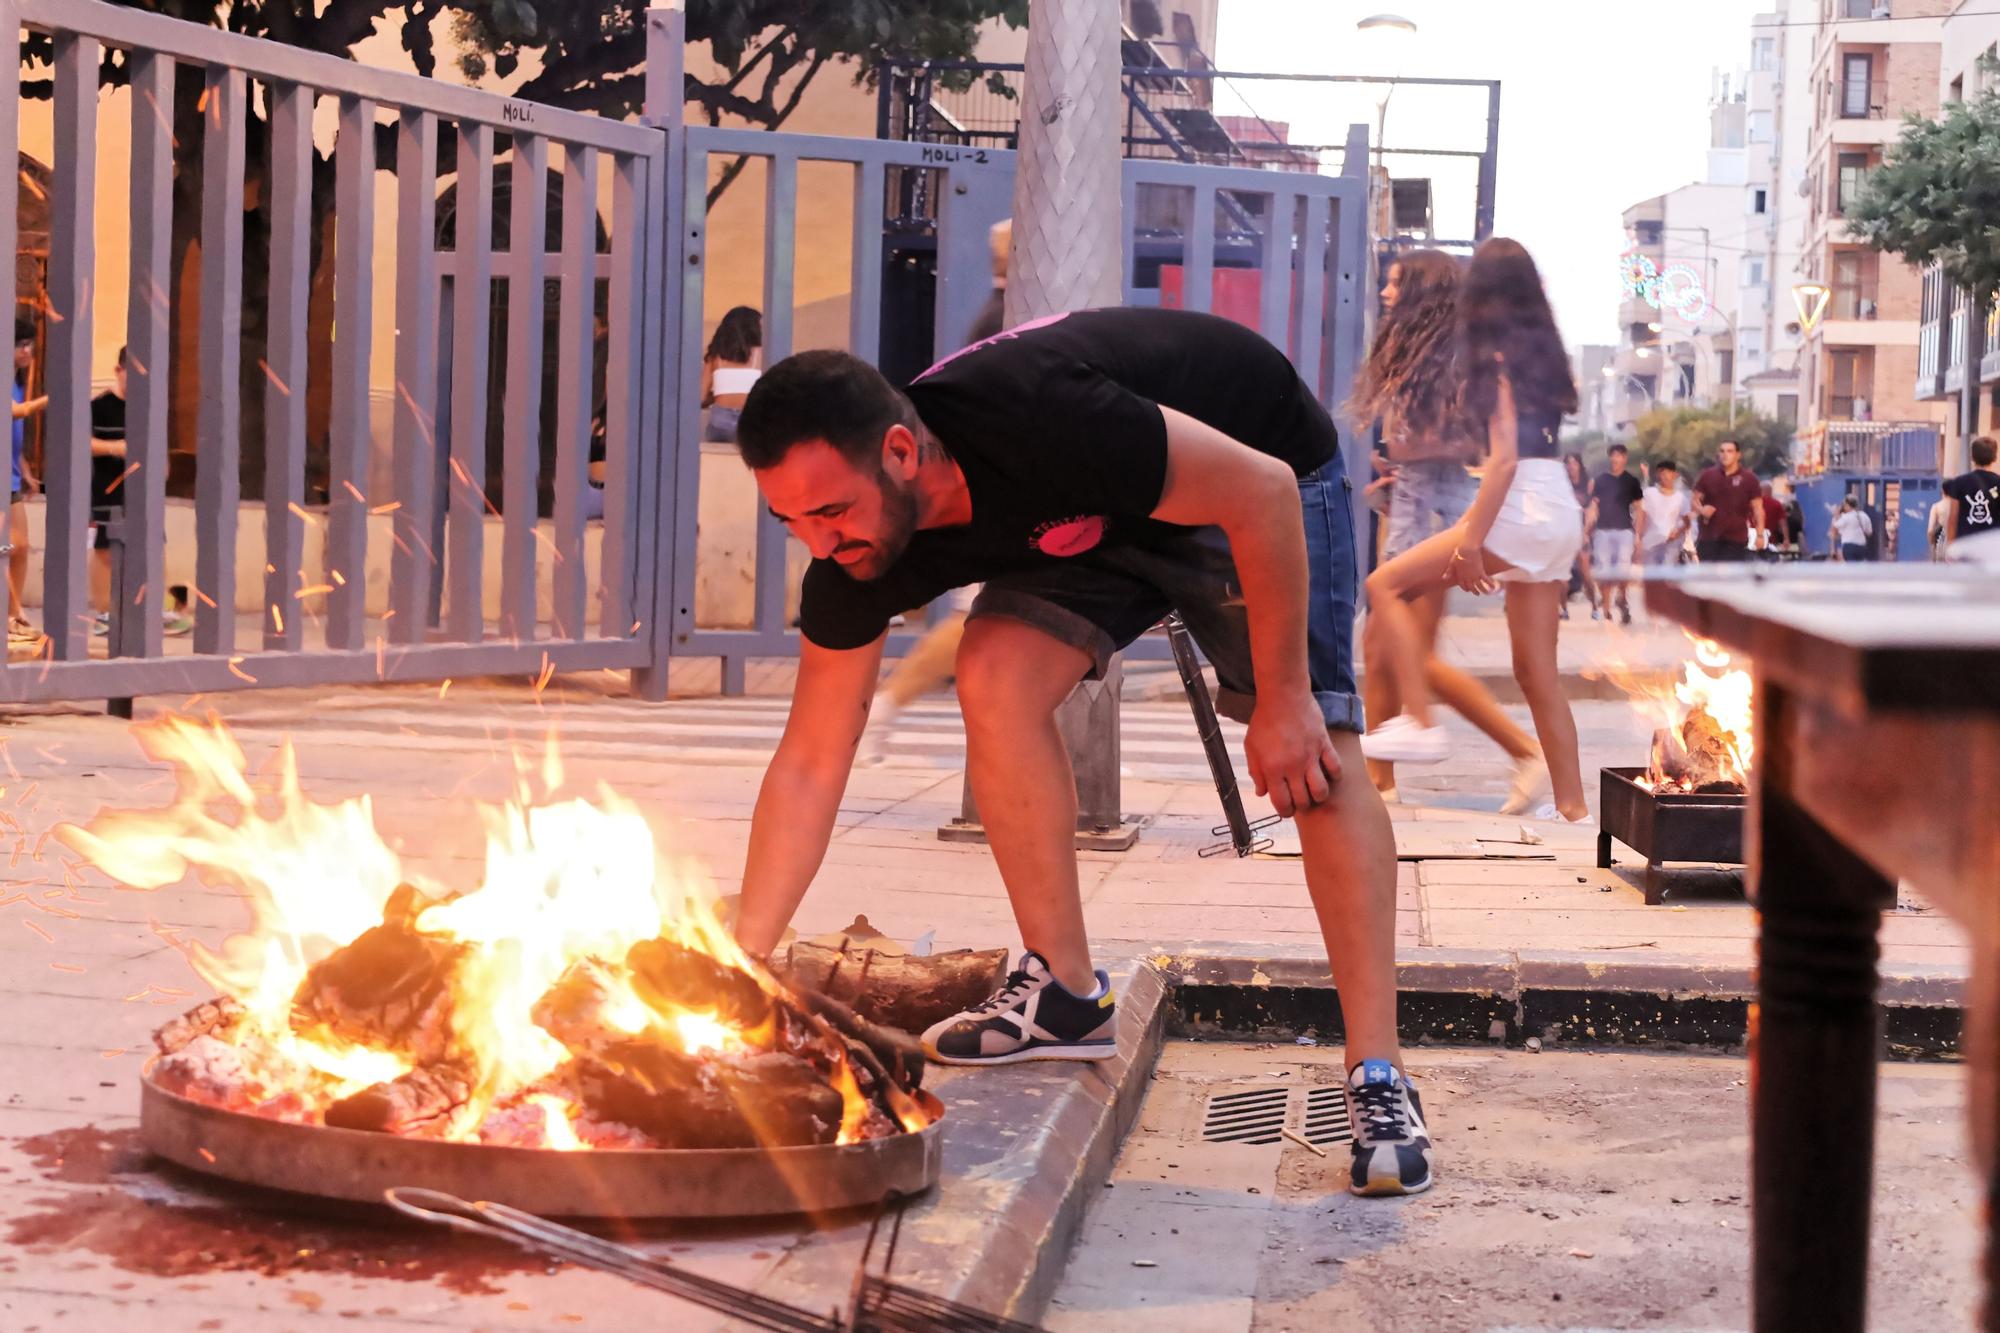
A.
pixel 1242 833
pixel 878 1305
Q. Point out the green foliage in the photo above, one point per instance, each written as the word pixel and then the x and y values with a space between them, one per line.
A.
pixel 1936 196
pixel 1689 436
pixel 591 56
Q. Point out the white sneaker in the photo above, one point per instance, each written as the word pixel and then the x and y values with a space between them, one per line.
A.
pixel 1390 796
pixel 1549 812
pixel 1400 740
pixel 1531 786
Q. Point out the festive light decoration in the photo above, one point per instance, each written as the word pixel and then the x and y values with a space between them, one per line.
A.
pixel 1674 289
pixel 1810 298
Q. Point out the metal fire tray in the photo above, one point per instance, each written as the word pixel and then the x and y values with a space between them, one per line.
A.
pixel 358 1166
pixel 1667 826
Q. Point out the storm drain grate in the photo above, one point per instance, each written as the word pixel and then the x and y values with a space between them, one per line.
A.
pixel 1326 1117
pixel 1252 1115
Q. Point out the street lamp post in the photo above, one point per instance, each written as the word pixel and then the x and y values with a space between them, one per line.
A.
pixel 1389 35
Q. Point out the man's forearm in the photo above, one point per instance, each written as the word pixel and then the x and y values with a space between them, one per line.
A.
pixel 789 832
pixel 1269 547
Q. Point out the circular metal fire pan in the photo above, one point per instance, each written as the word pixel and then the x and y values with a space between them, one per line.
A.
pixel 355 1165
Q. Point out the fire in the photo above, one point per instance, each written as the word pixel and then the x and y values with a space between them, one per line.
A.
pixel 1705 734
pixel 570 887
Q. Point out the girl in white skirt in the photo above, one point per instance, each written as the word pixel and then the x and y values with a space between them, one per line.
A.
pixel 1522 532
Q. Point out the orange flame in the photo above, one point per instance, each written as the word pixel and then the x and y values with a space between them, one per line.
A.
pixel 1710 682
pixel 564 881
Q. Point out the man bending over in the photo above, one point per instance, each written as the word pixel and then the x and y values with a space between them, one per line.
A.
pixel 1096 470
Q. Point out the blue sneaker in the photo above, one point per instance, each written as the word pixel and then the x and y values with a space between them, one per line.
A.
pixel 1031 1017
pixel 1392 1146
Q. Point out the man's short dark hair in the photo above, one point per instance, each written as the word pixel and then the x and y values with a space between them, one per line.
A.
pixel 1984 451
pixel 820 395
pixel 1667 465
pixel 1617 449
pixel 24 330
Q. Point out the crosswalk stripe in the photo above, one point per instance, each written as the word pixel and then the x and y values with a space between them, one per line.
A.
pixel 1157 738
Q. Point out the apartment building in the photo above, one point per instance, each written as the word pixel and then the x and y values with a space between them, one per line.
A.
pixel 1597 389
pixel 1872 63
pixel 1971 36
pixel 1676 341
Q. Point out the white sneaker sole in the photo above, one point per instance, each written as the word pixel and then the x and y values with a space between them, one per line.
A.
pixel 1094 1051
pixel 1389 1187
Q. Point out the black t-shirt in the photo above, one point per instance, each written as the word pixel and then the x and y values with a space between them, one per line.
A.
pixel 1978 496
pixel 1615 493
pixel 1056 424
pixel 107 422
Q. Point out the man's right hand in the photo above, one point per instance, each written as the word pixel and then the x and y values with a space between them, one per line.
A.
pixel 800 796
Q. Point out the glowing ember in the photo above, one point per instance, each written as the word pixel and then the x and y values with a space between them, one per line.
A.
pixel 583 995
pixel 1704 738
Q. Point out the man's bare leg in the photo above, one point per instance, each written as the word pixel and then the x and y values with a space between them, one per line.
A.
pixel 1350 863
pixel 1011 678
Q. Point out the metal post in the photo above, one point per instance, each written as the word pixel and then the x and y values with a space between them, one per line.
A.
pixel 660 416
pixel 1489 167
pixel 1068 249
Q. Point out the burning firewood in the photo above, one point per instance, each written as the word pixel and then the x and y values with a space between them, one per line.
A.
pixel 893 1055
pixel 421 1100
pixel 896 989
pixel 1700 757
pixel 578 1010
pixel 715 1101
pixel 206 1069
pixel 669 977
pixel 390 988
pixel 217 1018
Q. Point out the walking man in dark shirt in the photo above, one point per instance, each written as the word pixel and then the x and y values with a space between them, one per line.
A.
pixel 1096 470
pixel 1727 497
pixel 1974 496
pixel 1614 521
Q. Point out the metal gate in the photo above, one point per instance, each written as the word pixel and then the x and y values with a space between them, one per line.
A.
pixel 1308 232
pixel 311 620
pixel 441 604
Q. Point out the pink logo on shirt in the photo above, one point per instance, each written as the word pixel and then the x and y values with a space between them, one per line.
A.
pixel 1070 536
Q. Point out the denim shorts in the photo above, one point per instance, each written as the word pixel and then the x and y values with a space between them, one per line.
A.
pixel 1101 601
pixel 1430 495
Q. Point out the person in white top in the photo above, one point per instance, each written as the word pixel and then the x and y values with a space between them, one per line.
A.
pixel 1669 508
pixel 729 368
pixel 1850 531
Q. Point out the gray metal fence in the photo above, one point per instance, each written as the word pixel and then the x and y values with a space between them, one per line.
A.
pixel 1311 236
pixel 1307 236
pixel 407 641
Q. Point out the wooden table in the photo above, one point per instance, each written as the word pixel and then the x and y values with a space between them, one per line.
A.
pixel 1877 759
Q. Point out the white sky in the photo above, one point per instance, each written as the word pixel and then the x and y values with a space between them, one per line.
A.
pixel 1602 103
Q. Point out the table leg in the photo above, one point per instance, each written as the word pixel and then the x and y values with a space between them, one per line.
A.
pixel 1815 1039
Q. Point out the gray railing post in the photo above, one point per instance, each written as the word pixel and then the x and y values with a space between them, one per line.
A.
pixel 414 559
pixel 218 448
pixel 141 563
pixel 10 191
pixel 72 259
pixel 285 385
pixel 353 316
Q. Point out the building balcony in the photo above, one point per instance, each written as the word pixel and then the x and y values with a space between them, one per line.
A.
pixel 1909 447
